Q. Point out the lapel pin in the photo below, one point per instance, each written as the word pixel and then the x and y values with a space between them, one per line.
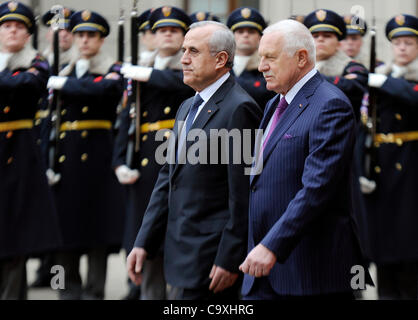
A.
pixel 209 111
pixel 300 106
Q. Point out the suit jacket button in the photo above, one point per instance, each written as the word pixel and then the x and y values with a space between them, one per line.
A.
pixel 174 187
pixel 253 189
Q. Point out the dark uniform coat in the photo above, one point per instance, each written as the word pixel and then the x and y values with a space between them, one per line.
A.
pixel 28 221
pixel 252 81
pixel 388 225
pixel 348 75
pixel 43 121
pixel 161 97
pixel 88 196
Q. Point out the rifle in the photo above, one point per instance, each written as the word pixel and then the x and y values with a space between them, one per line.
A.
pixel 54 103
pixel 35 5
pixel 370 119
pixel 121 36
pixel 135 107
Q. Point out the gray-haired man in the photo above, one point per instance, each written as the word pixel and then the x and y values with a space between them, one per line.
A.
pixel 202 208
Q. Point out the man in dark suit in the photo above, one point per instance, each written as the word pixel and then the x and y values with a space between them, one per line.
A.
pixel 301 241
pixel 202 209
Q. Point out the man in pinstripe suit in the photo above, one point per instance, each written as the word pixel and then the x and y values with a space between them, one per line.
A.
pixel 301 239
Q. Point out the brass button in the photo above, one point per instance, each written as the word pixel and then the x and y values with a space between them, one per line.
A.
pixel 145 114
pixel 399 142
pixel 37 122
pixel 398 166
pixel 61 159
pixel 144 138
pixel 377 169
pixel 6 109
pixel 398 116
pixel 167 134
pixel 62 135
pixel 376 144
pixel 85 109
pixel 144 162
pixel 9 134
pixel 84 157
pixel 167 110
pixel 64 112
pixel 10 160
pixel 84 134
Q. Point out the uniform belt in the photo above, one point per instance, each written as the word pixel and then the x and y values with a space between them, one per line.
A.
pixel 42 114
pixel 399 138
pixel 155 126
pixel 86 125
pixel 16 125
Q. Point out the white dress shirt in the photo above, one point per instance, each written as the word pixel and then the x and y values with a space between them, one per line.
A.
pixel 205 94
pixel 291 95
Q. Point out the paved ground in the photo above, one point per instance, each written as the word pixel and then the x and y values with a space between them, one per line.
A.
pixel 116 286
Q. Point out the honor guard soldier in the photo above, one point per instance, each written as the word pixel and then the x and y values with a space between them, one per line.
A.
pixel 388 225
pixel 328 29
pixel 87 194
pixel 353 42
pixel 43 123
pixel 148 43
pixel 29 224
pixel 297 17
pixel 161 92
pixel 203 16
pixel 67 51
pixel 248 24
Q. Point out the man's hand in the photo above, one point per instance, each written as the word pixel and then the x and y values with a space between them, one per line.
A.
pixel 377 80
pixel 134 264
pixel 221 279
pixel 53 178
pixel 136 72
pixel 56 82
pixel 126 175
pixel 259 262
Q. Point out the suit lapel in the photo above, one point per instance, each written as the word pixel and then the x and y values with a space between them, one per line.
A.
pixel 207 113
pixel 293 111
pixel 268 113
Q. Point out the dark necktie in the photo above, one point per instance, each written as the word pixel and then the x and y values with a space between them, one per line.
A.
pixel 197 101
pixel 280 109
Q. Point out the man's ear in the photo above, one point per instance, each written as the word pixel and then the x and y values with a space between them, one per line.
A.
pixel 221 59
pixel 302 56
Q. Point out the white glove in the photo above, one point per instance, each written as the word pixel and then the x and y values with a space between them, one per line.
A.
pixel 367 186
pixel 126 175
pixel 137 73
pixel 53 178
pixel 56 83
pixel 376 80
